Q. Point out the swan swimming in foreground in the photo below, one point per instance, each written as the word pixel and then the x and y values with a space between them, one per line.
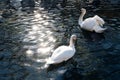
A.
pixel 62 53
pixel 91 24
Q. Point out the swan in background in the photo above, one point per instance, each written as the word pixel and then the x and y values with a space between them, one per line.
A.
pixel 62 53
pixel 91 24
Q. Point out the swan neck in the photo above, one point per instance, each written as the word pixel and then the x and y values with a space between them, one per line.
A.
pixel 71 44
pixel 81 18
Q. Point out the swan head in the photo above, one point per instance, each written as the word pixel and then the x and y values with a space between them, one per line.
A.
pixel 99 20
pixel 83 10
pixel 73 37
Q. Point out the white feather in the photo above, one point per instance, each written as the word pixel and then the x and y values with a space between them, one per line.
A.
pixel 92 23
pixel 62 53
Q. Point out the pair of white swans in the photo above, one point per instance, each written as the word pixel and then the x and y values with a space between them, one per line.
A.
pixel 63 53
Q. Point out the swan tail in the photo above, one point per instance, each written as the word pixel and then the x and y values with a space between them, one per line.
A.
pixel 49 66
pixel 98 29
pixel 49 61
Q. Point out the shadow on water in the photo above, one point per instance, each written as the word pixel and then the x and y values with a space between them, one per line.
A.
pixel 92 36
pixel 109 13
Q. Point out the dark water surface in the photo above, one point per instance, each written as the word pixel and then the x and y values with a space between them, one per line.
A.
pixel 26 40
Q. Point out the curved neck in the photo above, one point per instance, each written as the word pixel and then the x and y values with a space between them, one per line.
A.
pixel 71 43
pixel 81 18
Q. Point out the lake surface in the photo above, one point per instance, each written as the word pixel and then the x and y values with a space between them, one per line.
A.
pixel 28 39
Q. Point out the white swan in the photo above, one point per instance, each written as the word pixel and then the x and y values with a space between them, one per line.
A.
pixel 91 24
pixel 62 53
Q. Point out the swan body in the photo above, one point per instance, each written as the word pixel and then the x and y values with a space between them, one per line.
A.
pixel 94 23
pixel 62 53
